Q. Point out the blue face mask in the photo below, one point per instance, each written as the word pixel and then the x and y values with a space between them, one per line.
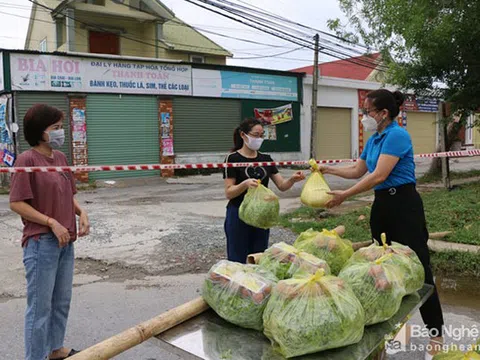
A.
pixel 56 138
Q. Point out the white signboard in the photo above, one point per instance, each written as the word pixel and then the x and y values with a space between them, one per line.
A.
pixel 232 84
pixel 2 86
pixel 72 74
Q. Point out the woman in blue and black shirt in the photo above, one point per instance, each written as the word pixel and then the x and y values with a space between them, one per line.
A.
pixel 398 208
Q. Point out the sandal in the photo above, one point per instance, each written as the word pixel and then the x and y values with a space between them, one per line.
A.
pixel 71 353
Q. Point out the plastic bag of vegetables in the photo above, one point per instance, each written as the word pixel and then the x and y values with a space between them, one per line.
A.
pixel 326 245
pixel 455 354
pixel 238 292
pixel 310 314
pixel 260 207
pixel 378 285
pixel 314 192
pixel 403 257
pixel 285 261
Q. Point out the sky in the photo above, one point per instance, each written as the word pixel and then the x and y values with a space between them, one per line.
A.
pixel 14 15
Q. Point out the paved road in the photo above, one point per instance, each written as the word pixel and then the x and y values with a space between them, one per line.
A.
pixel 148 249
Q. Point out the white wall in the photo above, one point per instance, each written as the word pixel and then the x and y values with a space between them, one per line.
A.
pixel 333 92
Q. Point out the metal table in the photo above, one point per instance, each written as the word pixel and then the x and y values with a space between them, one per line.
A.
pixel 209 337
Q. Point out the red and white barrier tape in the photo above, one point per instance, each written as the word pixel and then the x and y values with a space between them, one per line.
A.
pixel 456 154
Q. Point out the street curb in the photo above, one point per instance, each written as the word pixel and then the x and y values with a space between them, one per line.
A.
pixel 442 246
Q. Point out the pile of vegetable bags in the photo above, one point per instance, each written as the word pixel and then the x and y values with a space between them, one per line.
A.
pixel 260 207
pixel 326 245
pixel 238 293
pixel 378 285
pixel 285 261
pixel 309 314
pixel 455 354
pixel 315 191
pixel 402 256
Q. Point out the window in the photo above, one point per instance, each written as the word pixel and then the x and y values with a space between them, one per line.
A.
pixel 104 43
pixel 60 30
pixel 43 45
pixel 159 28
pixel 197 59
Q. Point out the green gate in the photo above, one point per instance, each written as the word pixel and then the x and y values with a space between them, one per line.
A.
pixel 121 130
pixel 204 125
pixel 25 100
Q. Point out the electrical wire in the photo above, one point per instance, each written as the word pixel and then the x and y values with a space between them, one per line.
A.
pixel 99 27
pixel 305 26
pixel 325 50
pixel 194 46
pixel 141 41
pixel 277 33
pixel 249 16
pixel 271 55
pixel 179 23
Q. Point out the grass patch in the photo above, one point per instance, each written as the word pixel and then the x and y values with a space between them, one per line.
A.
pixel 454 175
pixel 4 191
pixel 456 262
pixel 457 210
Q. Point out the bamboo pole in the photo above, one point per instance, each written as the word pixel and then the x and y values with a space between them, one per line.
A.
pixel 119 343
pixel 439 235
pixel 340 230
pixel 359 245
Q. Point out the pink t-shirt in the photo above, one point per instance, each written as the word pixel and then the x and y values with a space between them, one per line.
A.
pixel 49 193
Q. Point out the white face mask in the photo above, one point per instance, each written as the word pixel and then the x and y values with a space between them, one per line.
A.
pixel 369 123
pixel 56 138
pixel 254 143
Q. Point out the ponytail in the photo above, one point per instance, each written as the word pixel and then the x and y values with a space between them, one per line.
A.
pixel 244 127
pixel 385 99
pixel 237 140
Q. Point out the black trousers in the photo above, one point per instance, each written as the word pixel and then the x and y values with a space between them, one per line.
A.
pixel 398 212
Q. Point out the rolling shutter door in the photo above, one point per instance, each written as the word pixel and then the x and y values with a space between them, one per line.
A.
pixel 204 125
pixel 25 100
pixel 423 130
pixel 122 130
pixel 334 133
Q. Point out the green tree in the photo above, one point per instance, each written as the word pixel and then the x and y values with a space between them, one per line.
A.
pixel 431 47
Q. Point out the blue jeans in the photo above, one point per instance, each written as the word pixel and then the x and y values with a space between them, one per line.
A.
pixel 49 273
pixel 243 239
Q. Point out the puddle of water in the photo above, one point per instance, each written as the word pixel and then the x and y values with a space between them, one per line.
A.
pixel 459 291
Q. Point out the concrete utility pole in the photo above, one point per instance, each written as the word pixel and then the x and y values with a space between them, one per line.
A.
pixel 313 135
pixel 442 128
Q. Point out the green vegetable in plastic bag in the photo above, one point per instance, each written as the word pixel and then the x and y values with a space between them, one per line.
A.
pixel 454 354
pixel 310 314
pixel 285 261
pixel 403 257
pixel 238 293
pixel 314 192
pixel 326 245
pixel 260 207
pixel 378 285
